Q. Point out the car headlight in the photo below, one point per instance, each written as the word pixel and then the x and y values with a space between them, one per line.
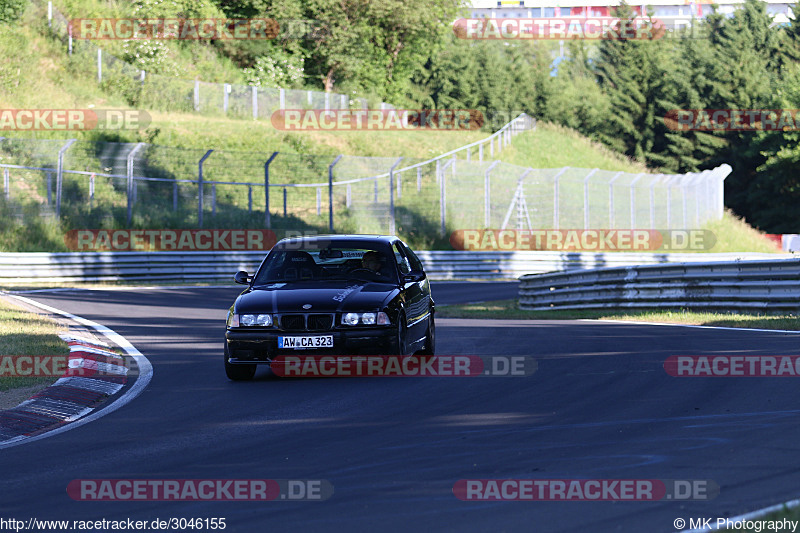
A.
pixel 351 319
pixel 255 320
pixel 368 319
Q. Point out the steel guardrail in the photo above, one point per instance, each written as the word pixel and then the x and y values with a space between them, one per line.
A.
pixel 772 284
pixel 214 266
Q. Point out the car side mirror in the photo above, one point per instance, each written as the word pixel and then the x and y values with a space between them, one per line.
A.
pixel 242 278
pixel 414 276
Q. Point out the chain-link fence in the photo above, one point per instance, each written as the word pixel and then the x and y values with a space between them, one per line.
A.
pixel 154 91
pixel 108 185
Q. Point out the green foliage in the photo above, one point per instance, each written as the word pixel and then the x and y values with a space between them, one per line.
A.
pixel 11 10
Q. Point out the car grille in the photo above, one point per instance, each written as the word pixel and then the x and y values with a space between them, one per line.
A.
pixel 293 322
pixel 311 322
pixel 320 322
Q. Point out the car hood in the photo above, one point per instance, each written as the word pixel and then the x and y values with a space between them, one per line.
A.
pixel 324 297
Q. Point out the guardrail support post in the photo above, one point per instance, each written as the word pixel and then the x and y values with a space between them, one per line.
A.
pixel 267 216
pixel 392 227
pixel 60 175
pixel 130 186
pixel 200 188
pixel 330 182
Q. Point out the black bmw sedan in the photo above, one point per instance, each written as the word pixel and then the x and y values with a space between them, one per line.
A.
pixel 330 294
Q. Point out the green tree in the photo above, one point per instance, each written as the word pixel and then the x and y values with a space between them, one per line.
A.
pixel 11 10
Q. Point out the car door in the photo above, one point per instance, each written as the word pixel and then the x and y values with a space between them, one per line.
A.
pixel 417 296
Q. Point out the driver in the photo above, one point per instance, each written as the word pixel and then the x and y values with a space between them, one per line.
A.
pixel 372 261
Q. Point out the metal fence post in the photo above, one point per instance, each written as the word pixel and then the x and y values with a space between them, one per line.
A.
pixel 60 175
pixel 129 173
pixel 284 202
pixel 310 98
pixel 330 183
pixel 375 196
pixel 213 199
pixel 175 196
pixel 69 38
pixel 392 226
pixel 200 188
pixel 349 197
pixel 611 218
pixel 327 101
pixel 469 149
pixel 487 205
pixel 50 13
pixel 267 216
pixel 480 152
pixel 49 188
pixel 225 90
pixel 653 201
pixel 586 198
pixel 282 98
pixel 249 198
pixel 196 95
pixel 255 102
pixel 633 199
pixel 7 183
pixel 442 197
pixel 99 65
pixel 319 201
pixel 556 199
pixel 419 179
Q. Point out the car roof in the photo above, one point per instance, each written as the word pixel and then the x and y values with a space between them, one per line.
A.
pixel 350 240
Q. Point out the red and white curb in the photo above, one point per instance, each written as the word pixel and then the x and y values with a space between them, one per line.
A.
pixel 95 373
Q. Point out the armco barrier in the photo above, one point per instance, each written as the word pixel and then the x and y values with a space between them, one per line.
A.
pixel 216 266
pixel 733 285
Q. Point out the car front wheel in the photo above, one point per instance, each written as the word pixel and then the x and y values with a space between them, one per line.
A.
pixel 430 338
pixel 238 372
pixel 399 345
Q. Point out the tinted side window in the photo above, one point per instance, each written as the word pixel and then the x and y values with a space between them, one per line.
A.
pixel 402 262
pixel 416 264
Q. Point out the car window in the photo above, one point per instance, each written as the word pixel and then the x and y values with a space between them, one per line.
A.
pixel 365 264
pixel 402 262
pixel 416 264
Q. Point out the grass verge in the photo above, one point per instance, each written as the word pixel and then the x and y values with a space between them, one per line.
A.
pixel 26 333
pixel 508 309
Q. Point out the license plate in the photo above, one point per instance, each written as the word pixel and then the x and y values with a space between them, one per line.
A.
pixel 305 342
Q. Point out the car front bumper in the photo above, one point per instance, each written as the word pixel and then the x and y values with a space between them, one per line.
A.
pixel 261 346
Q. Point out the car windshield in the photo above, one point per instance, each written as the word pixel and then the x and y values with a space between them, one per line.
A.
pixel 365 264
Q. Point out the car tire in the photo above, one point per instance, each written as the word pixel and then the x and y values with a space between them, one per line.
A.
pixel 430 338
pixel 238 372
pixel 401 337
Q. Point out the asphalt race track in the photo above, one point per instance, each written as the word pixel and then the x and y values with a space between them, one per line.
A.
pixel 600 406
